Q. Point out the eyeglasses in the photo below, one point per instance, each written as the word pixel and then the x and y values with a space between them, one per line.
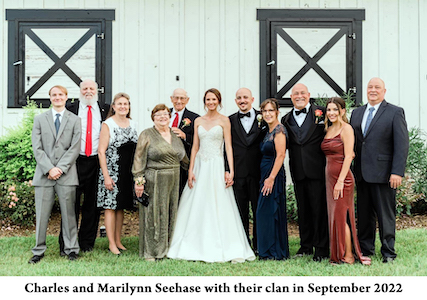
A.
pixel 161 114
pixel 270 111
pixel 179 98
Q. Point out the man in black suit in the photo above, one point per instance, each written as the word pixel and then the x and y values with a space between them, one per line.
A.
pixel 246 135
pixel 182 124
pixel 91 112
pixel 381 150
pixel 305 124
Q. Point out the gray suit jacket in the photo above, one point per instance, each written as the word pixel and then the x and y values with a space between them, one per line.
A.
pixel 59 151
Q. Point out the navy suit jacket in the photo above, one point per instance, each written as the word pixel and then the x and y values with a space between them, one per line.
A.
pixel 384 149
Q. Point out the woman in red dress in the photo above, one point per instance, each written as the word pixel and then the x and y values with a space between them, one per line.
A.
pixel 338 146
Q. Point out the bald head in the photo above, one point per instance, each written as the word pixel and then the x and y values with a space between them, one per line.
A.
pixel 179 99
pixel 244 99
pixel 375 91
pixel 300 96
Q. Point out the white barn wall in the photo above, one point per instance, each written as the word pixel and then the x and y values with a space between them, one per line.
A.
pixel 215 43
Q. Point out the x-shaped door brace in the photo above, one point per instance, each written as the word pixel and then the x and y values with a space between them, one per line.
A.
pixel 59 62
pixel 311 61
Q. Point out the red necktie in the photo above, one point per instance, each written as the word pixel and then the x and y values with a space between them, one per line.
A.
pixel 175 121
pixel 88 149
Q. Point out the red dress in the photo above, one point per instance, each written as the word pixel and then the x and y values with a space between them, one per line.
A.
pixel 341 210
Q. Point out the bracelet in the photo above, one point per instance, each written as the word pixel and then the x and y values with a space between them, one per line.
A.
pixel 140 180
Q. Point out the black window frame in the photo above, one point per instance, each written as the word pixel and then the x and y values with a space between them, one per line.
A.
pixel 308 18
pixel 19 19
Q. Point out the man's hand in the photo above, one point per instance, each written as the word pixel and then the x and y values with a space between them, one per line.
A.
pixel 395 181
pixel 179 133
pixel 54 173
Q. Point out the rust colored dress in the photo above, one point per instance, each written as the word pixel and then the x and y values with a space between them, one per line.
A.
pixel 342 210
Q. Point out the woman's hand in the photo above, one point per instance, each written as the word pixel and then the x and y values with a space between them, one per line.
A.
pixel 267 189
pixel 191 179
pixel 228 179
pixel 339 190
pixel 139 189
pixel 109 183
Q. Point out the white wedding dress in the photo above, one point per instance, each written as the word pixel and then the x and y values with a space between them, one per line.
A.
pixel 208 226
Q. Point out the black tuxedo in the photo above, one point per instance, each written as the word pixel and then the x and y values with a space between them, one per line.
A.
pixel 88 172
pixel 188 143
pixel 247 160
pixel 307 166
pixel 382 152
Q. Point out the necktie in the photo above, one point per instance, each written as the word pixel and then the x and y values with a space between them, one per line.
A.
pixel 298 112
pixel 175 121
pixel 57 123
pixel 248 114
pixel 368 120
pixel 88 148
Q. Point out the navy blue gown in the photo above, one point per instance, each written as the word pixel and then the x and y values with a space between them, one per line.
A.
pixel 272 227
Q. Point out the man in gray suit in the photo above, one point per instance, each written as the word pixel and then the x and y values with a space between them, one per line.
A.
pixel 56 144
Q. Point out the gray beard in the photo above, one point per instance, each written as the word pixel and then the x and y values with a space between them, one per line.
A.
pixel 90 102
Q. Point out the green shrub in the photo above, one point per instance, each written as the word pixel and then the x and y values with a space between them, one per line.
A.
pixel 17 203
pixel 291 204
pixel 16 153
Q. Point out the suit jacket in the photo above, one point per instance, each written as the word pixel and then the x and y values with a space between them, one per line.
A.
pixel 74 108
pixel 384 149
pixel 246 147
pixel 51 150
pixel 306 158
pixel 188 130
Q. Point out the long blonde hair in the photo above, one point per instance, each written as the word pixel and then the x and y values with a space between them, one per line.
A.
pixel 340 103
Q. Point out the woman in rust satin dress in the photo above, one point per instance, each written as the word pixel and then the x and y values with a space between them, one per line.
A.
pixel 338 147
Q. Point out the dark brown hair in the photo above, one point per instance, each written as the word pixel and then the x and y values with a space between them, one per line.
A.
pixel 216 93
pixel 112 112
pixel 159 107
pixel 340 103
pixel 272 101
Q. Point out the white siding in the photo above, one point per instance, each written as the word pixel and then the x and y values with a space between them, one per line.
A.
pixel 215 43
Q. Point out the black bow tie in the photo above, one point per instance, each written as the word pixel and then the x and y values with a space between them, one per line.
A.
pixel 304 111
pixel 248 114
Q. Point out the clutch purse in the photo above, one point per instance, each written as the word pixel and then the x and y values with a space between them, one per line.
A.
pixel 144 199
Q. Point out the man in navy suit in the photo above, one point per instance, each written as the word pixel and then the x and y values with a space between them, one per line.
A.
pixel 306 129
pixel 182 124
pixel 246 135
pixel 381 148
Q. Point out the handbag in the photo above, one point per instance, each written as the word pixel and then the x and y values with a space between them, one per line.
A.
pixel 144 199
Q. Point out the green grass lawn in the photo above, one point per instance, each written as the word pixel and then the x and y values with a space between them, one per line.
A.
pixel 16 251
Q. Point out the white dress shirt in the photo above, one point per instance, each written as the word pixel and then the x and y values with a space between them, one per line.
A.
pixel 247 122
pixel 96 127
pixel 54 112
pixel 180 113
pixel 365 115
pixel 301 117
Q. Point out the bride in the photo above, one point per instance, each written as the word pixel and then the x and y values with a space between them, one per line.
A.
pixel 208 226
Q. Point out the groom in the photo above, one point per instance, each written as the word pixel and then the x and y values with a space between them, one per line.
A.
pixel 246 135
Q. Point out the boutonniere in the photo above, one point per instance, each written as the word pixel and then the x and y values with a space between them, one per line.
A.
pixel 259 119
pixel 186 122
pixel 319 114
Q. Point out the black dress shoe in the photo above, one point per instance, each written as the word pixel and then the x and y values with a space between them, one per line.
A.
pixel 318 258
pixel 388 259
pixel 73 256
pixel 88 249
pixel 35 259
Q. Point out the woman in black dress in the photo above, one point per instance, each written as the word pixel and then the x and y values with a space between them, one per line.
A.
pixel 116 149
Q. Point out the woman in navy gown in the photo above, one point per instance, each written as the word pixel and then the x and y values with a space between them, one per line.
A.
pixel 272 227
